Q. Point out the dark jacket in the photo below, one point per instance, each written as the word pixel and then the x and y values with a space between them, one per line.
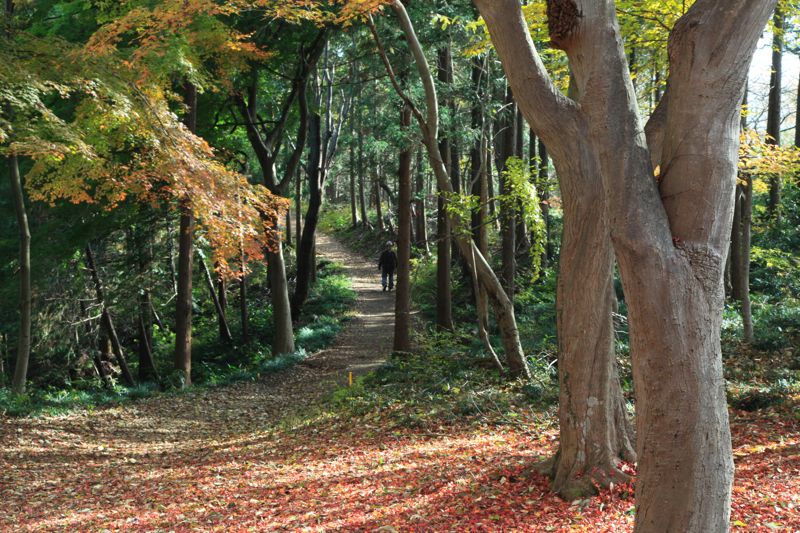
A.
pixel 388 261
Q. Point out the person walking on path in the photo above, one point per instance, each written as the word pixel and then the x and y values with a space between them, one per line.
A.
pixel 387 264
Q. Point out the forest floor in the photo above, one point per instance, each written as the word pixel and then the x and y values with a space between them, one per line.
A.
pixel 276 455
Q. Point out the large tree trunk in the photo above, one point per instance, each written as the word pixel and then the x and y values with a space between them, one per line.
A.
pixel 283 341
pixel 774 107
pixel 669 242
pixel 24 337
pixel 402 306
pixel 670 236
pixel 183 302
pixel 594 431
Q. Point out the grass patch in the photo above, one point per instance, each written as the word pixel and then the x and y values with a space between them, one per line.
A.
pixel 449 380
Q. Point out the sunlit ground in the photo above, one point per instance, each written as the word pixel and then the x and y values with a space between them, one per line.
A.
pixel 129 473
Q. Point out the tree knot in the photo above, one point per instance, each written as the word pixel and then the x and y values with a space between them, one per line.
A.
pixel 563 17
pixel 705 263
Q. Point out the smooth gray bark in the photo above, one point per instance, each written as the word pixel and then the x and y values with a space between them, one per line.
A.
pixel 594 431
pixel 669 235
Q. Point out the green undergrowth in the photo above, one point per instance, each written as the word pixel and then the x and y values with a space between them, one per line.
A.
pixel 447 380
pixel 215 363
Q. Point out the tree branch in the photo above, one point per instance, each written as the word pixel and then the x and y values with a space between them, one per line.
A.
pixel 547 110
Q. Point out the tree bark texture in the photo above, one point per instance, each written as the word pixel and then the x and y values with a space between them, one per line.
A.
pixel 669 234
pixel 183 302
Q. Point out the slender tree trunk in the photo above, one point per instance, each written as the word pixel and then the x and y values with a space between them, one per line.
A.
pixel 402 306
pixel 422 217
pixel 288 228
pixel 353 199
pixel 544 197
pixel 747 218
pixel 173 272
pixel 243 311
pixel 24 338
pixel 444 299
pixel 106 321
pixel 507 208
pixel 305 254
pixel 298 209
pixel 377 194
pixel 735 254
pixel 225 330
pixel 774 107
pixel 797 114
pixel 97 358
pixel 146 353
pixel 141 245
pixel 362 197
pixel 183 311
pixel 222 296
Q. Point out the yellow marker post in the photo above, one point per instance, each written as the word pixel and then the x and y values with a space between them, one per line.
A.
pixel 349 379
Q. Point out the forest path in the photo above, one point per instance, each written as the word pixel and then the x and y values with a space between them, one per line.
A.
pixel 84 452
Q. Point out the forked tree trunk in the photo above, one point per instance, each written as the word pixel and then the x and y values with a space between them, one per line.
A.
pixel 402 306
pixel 669 237
pixel 24 336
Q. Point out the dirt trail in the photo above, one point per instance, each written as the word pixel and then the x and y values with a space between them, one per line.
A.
pixel 51 453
